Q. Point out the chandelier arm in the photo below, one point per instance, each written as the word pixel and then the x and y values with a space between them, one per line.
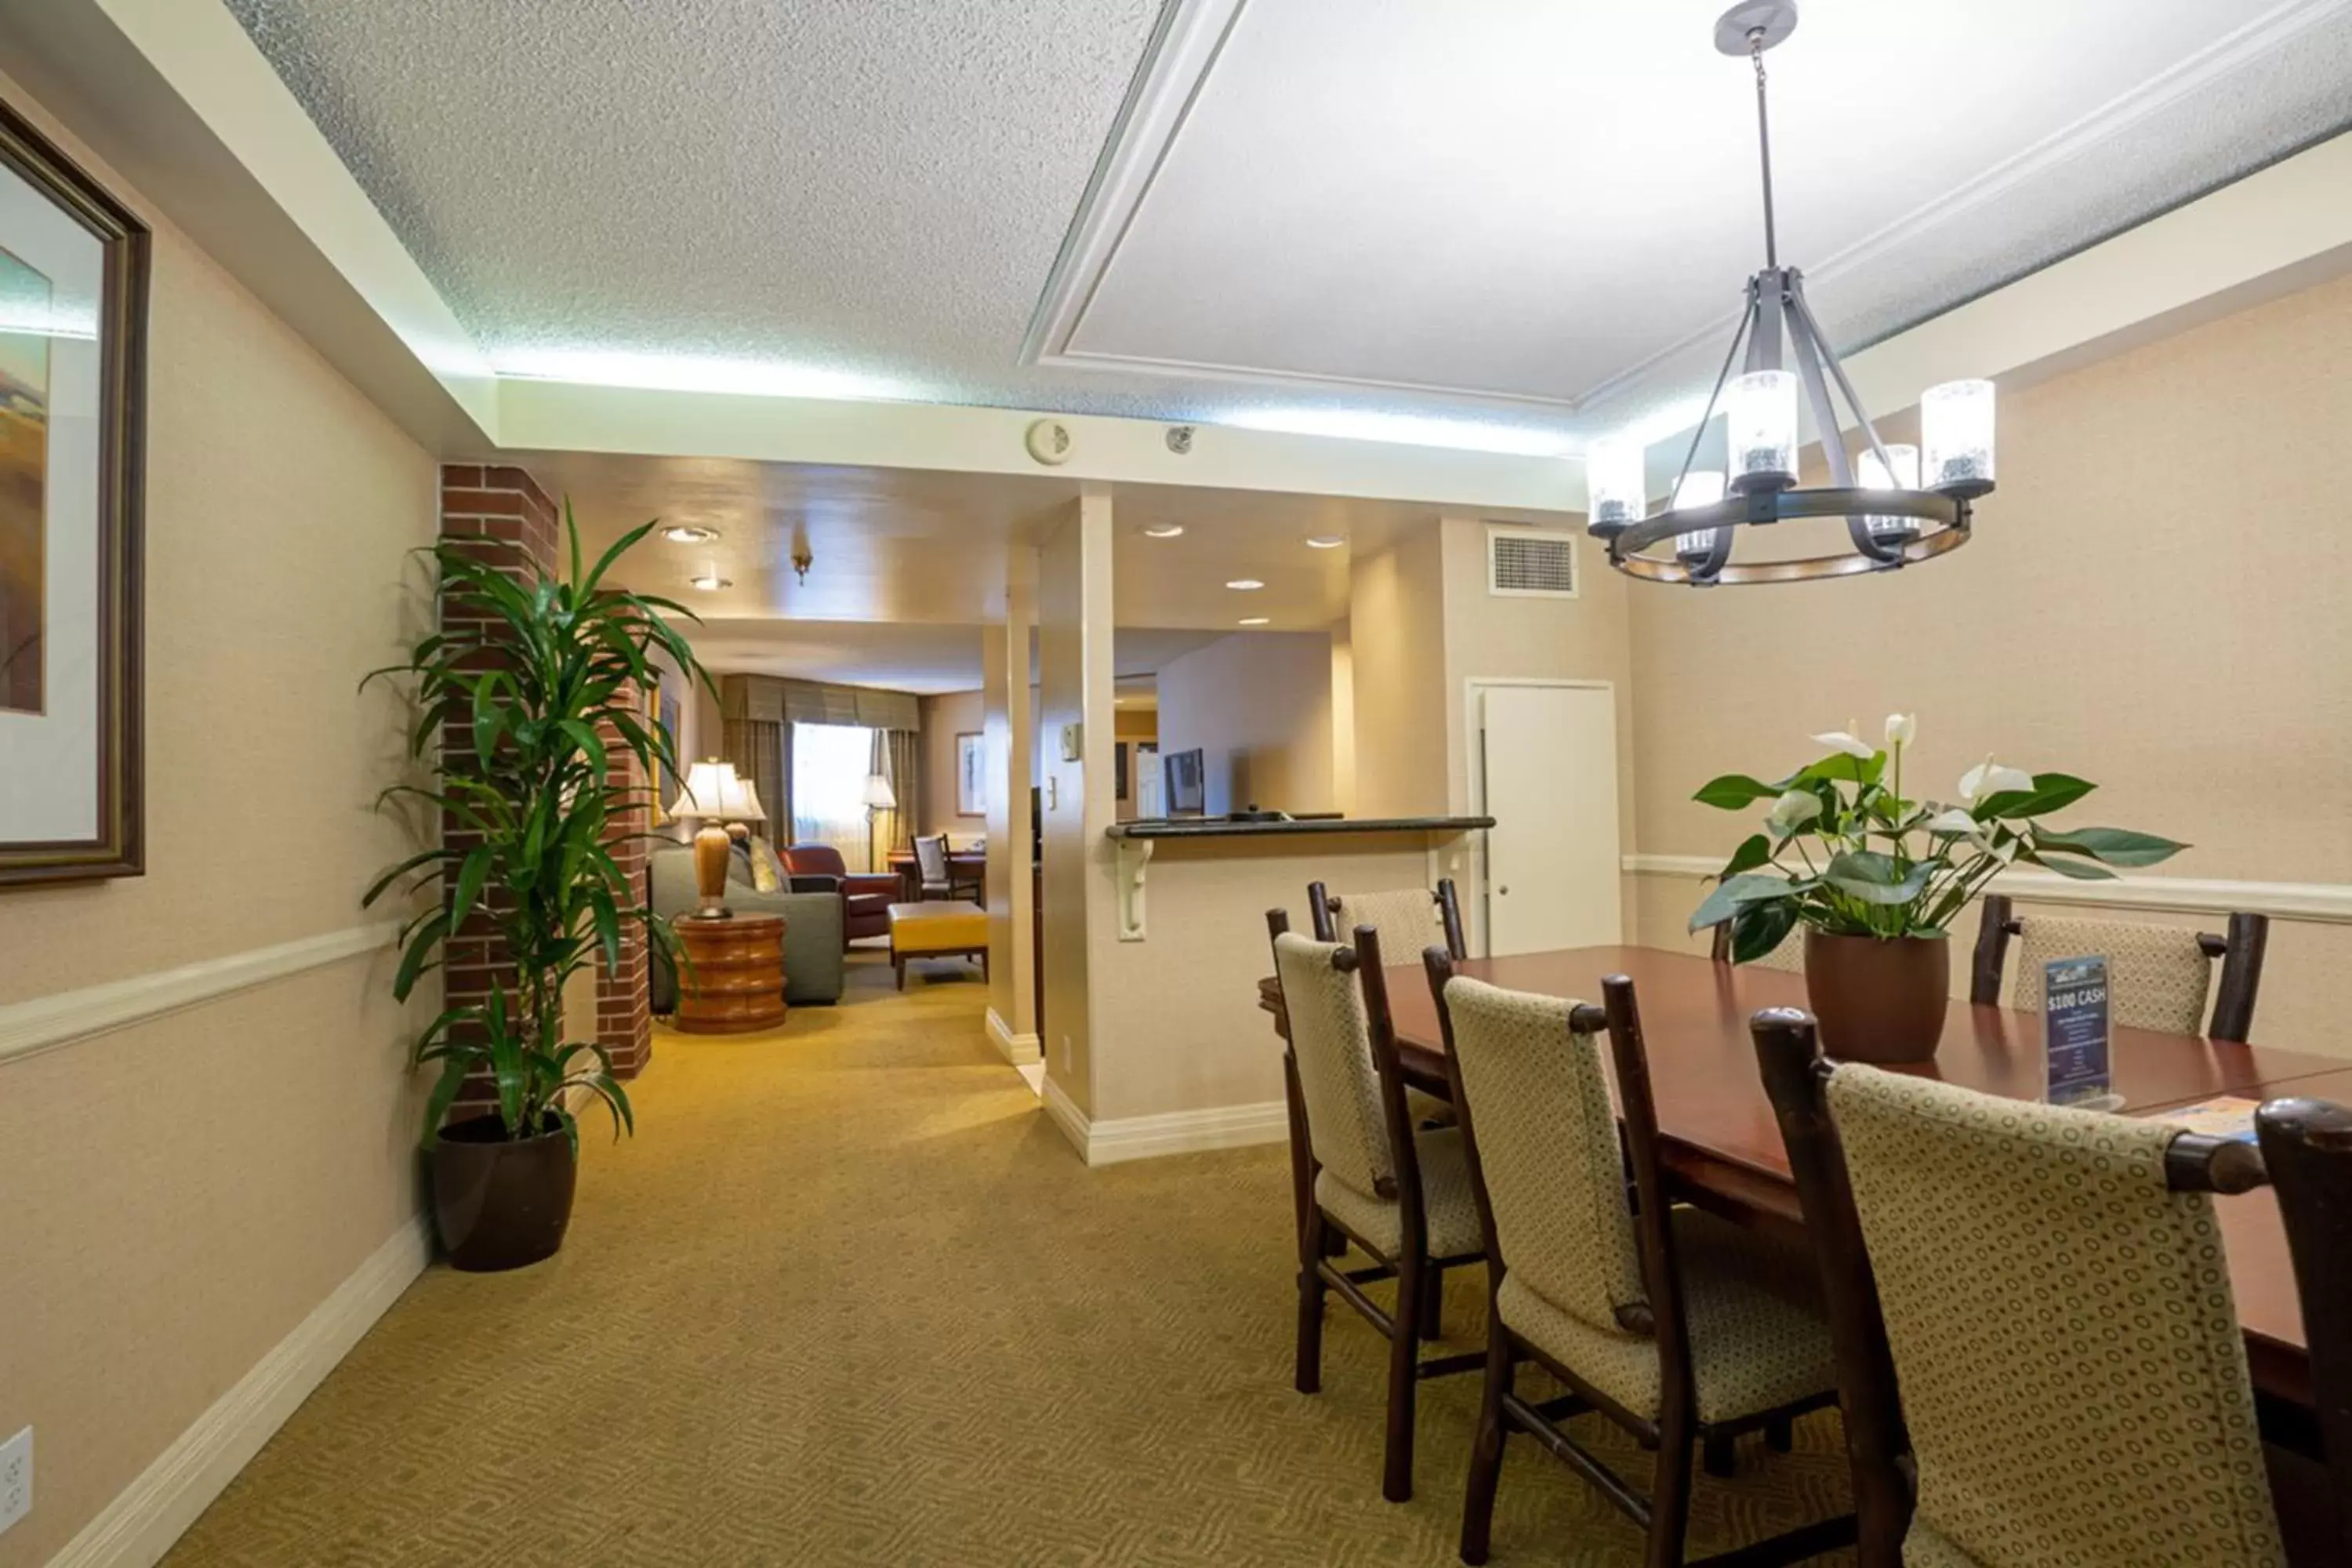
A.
pixel 1771 317
pixel 1810 355
pixel 1828 357
pixel 1698 432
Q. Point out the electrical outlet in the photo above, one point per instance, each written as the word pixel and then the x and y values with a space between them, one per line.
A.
pixel 15 1477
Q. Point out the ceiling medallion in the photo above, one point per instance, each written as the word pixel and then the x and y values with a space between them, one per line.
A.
pixel 1897 507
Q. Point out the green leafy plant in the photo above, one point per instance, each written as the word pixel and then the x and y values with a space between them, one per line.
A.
pixel 520 688
pixel 1845 851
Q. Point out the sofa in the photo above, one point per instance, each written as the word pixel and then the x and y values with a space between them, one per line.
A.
pixel 865 896
pixel 813 939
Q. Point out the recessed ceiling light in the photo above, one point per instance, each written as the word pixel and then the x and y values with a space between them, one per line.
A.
pixel 1164 531
pixel 1253 620
pixel 1325 541
pixel 710 583
pixel 689 533
pixel 1245 585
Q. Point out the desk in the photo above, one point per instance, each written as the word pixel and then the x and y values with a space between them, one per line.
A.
pixel 1721 1146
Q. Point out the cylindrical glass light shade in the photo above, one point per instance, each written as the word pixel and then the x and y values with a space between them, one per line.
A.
pixel 1761 409
pixel 1870 474
pixel 1614 484
pixel 1701 487
pixel 1955 428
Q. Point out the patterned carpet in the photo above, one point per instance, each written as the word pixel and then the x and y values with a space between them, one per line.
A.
pixel 848 1298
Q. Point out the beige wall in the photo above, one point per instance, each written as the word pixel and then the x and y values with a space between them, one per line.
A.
pixel 1074 648
pixel 1258 705
pixel 944 718
pixel 180 1194
pixel 2158 598
pixel 1396 626
pixel 1010 720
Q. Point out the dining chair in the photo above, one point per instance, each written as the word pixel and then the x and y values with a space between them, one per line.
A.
pixel 1408 919
pixel 1401 1196
pixel 2306 1148
pixel 2157 975
pixel 1789 958
pixel 2039 1356
pixel 935 869
pixel 1679 1327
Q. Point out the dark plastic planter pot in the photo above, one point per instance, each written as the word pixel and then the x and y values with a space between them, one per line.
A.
pixel 1878 1001
pixel 501 1203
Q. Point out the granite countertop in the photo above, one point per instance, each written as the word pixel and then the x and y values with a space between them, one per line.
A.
pixel 1208 828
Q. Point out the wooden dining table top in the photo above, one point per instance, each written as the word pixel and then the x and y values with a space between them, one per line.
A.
pixel 1721 1145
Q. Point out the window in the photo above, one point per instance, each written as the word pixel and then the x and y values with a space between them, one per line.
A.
pixel 830 765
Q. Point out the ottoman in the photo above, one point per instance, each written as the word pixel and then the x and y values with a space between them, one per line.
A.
pixel 938 928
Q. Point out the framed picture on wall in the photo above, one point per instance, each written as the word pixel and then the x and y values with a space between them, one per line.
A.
pixel 971 775
pixel 73 321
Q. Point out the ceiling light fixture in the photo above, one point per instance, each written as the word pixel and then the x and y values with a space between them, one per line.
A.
pixel 712 582
pixel 1325 541
pixel 1245 585
pixel 1891 519
pixel 689 533
pixel 1164 531
pixel 1254 620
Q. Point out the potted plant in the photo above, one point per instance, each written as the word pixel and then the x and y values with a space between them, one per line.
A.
pixel 522 688
pixel 1876 878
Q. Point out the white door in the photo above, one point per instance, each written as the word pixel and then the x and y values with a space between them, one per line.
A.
pixel 1545 768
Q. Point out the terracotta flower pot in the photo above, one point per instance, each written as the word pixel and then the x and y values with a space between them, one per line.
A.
pixel 1878 1001
pixel 501 1203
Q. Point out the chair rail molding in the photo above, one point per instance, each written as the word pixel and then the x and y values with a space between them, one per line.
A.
pixel 44 1022
pixel 2320 903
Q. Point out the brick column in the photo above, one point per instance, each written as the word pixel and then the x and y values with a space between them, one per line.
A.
pixel 520 529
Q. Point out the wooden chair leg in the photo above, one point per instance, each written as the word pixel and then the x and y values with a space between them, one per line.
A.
pixel 1720 1462
pixel 1433 1305
pixel 1405 1380
pixel 1670 1491
pixel 1308 1378
pixel 1487 1449
pixel 1780 1434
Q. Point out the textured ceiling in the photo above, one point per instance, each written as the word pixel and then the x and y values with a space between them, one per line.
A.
pixel 1419 207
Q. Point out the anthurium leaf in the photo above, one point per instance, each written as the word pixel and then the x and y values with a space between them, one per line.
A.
pixel 2066 866
pixel 1759 928
pixel 1844 768
pixel 1875 878
pixel 1735 893
pixel 2049 793
pixel 1734 792
pixel 1755 852
pixel 2115 846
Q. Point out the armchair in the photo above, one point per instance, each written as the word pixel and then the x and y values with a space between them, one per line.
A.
pixel 865 896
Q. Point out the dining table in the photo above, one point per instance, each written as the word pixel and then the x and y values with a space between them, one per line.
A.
pixel 963 865
pixel 1720 1144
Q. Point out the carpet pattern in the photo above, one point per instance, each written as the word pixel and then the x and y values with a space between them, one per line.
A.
pixel 849 1298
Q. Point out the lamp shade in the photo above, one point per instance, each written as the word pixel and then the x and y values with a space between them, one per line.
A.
pixel 712 792
pixel 880 794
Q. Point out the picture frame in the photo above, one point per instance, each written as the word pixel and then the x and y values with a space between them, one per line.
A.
pixel 971 775
pixel 74 269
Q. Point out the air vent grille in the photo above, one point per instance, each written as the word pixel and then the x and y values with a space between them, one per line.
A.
pixel 1530 563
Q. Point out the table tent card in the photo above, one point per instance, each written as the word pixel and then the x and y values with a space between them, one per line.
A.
pixel 2074 1018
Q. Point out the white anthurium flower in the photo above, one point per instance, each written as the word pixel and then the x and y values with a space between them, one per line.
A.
pixel 1952 819
pixel 1792 811
pixel 1900 729
pixel 1990 778
pixel 1847 741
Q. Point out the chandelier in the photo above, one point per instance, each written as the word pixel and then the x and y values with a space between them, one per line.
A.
pixel 1901 503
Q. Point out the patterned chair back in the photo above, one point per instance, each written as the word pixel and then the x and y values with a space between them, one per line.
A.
pixel 932 857
pixel 2157 975
pixel 1539 1115
pixel 2070 1367
pixel 1332 1041
pixel 1408 920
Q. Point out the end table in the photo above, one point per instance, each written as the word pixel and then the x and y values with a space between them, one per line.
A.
pixel 731 978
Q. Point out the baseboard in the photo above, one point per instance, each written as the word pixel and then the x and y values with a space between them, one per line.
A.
pixel 1128 1138
pixel 1018 1049
pixel 139 1527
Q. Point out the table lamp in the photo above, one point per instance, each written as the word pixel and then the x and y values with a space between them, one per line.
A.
pixel 880 797
pixel 715 796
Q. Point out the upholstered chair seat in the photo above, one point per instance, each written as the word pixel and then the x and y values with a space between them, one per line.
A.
pixel 1446 1197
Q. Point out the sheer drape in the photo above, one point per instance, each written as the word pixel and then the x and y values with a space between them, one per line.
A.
pixel 830 763
pixel 897 757
pixel 762 752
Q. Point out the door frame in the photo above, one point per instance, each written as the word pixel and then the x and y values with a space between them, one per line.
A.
pixel 1474 895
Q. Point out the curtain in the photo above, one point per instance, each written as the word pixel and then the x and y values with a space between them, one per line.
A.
pixel 897 757
pixel 762 752
pixel 830 763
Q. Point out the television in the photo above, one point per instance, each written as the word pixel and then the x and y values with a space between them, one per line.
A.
pixel 1187 790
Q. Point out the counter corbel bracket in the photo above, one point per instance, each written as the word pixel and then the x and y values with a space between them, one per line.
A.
pixel 1134 854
